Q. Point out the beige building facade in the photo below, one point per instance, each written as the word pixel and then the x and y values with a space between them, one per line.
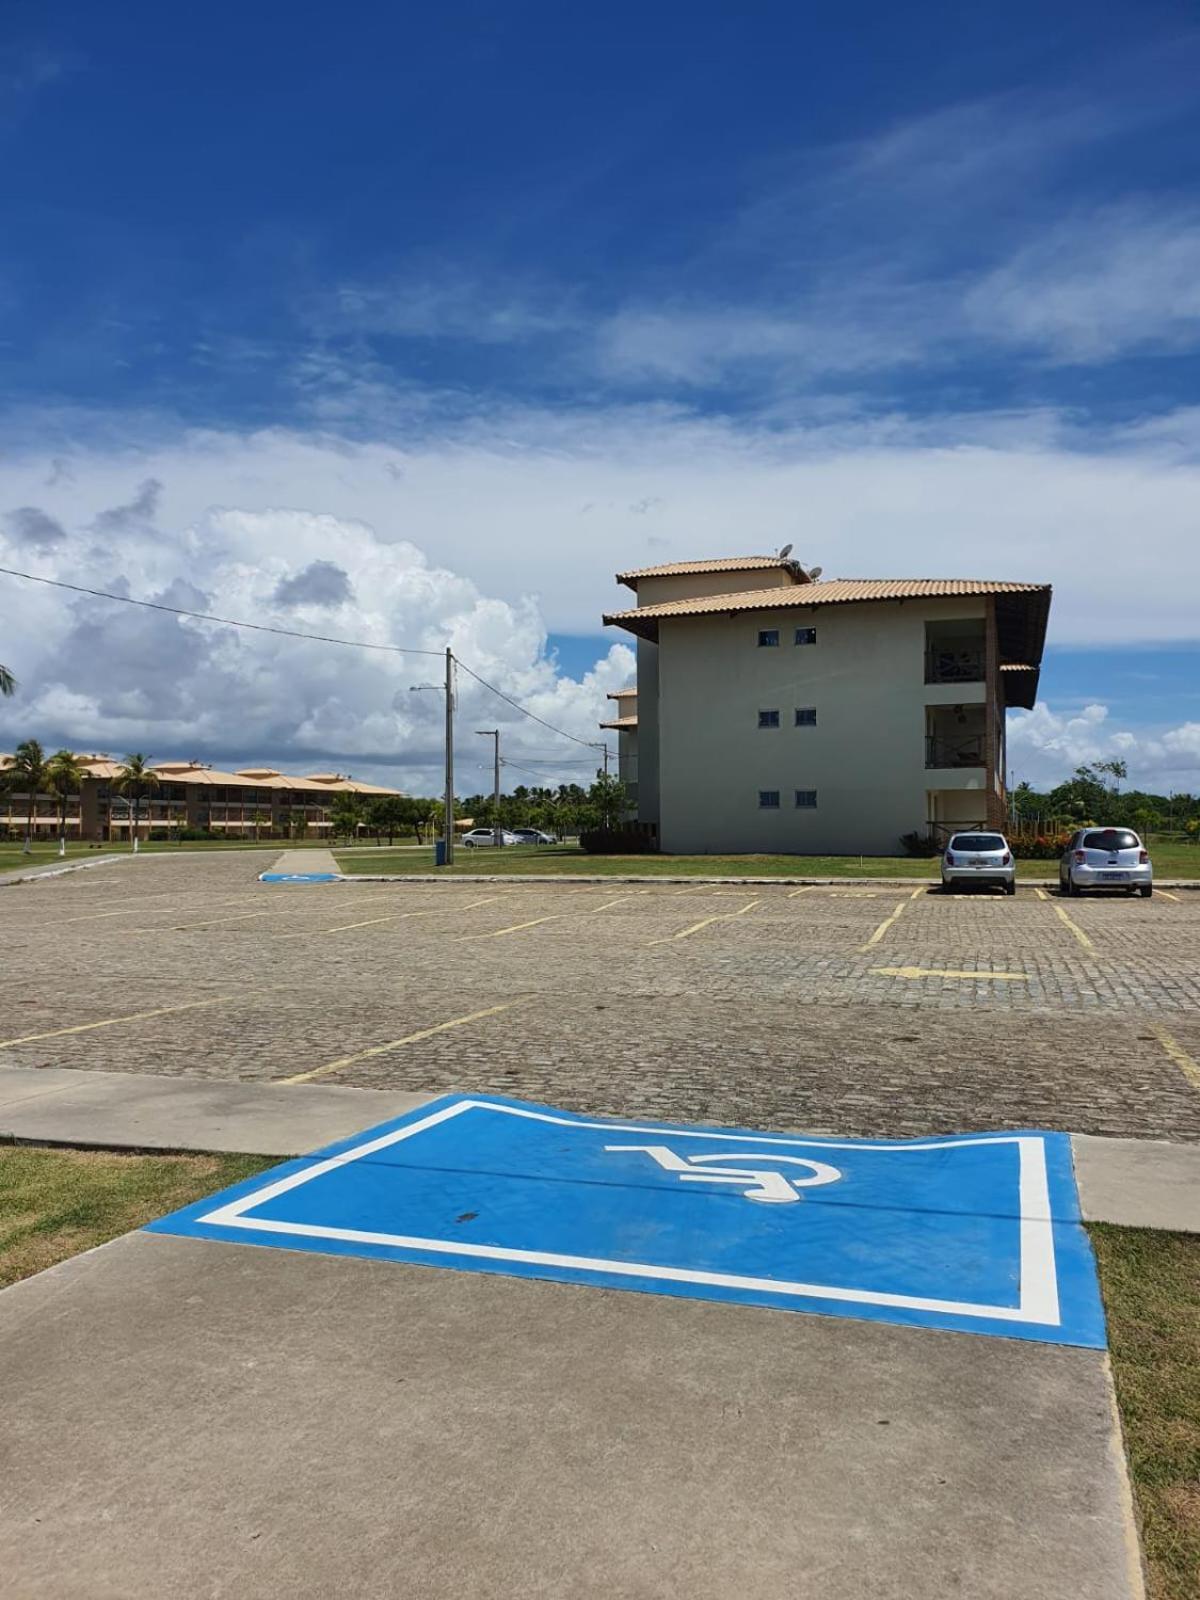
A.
pixel 255 802
pixel 776 712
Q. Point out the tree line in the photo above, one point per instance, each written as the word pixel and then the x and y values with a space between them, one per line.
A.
pixel 1093 795
pixel 562 812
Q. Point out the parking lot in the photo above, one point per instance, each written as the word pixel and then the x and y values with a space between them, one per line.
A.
pixel 881 1010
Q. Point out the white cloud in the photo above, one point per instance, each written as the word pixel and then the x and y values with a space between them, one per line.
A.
pixel 1045 746
pixel 488 531
pixel 1093 287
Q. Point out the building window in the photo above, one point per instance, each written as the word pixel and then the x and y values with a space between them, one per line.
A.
pixel 806 716
pixel 768 719
pixel 806 636
pixel 768 638
pixel 768 799
pixel 806 799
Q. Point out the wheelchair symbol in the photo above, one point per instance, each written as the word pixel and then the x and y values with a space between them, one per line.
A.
pixel 762 1184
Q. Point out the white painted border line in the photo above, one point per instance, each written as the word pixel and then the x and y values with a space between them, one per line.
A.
pixel 1038 1303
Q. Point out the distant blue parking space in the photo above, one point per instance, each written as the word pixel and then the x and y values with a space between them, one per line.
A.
pixel 298 877
pixel 974 1233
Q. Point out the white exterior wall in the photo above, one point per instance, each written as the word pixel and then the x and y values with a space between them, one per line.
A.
pixel 648 724
pixel 866 756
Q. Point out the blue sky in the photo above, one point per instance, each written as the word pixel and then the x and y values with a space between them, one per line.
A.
pixel 543 290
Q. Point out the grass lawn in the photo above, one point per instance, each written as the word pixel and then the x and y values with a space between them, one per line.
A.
pixel 1151 1284
pixel 1171 861
pixel 46 855
pixel 55 1203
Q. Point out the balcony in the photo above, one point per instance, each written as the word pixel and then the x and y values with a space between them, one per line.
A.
pixel 955 751
pixel 955 652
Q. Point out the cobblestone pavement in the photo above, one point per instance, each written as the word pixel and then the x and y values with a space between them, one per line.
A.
pixel 882 1010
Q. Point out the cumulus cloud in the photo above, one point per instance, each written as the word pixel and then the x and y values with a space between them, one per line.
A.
pixel 322 583
pixel 31 527
pixel 486 532
pixel 99 675
pixel 1046 746
pixel 141 509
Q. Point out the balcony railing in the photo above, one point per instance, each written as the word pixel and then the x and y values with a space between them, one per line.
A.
pixel 964 750
pixel 953 665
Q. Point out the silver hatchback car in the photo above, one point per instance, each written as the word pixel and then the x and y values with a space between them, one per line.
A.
pixel 1106 858
pixel 979 857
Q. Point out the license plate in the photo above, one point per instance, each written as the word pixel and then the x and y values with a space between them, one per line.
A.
pixel 978 861
pixel 1115 877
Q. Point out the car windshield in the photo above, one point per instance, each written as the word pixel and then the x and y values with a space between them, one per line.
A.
pixel 977 841
pixel 1111 839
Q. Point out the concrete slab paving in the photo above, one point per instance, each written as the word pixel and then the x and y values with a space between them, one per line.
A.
pixel 210 1420
pixel 309 860
pixel 59 1105
pixel 1139 1183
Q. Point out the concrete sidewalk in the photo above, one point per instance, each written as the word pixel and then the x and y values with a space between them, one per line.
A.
pixel 1136 1182
pixel 184 1417
pixel 135 1110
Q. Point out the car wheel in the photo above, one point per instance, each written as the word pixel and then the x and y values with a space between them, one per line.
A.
pixel 1147 891
pixel 1072 889
pixel 1010 888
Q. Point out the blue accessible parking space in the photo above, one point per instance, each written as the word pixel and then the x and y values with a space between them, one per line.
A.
pixel 975 1233
pixel 298 877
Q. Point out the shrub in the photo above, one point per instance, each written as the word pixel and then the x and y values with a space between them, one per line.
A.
pixel 1039 846
pixel 615 842
pixel 186 834
pixel 920 844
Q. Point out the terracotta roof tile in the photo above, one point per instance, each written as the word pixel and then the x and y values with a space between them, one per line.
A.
pixel 671 569
pixel 621 722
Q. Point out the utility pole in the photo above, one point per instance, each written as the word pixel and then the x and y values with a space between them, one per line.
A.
pixel 449 800
pixel 494 734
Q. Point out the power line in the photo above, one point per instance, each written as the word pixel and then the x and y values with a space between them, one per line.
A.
pixel 226 622
pixel 588 744
pixel 296 633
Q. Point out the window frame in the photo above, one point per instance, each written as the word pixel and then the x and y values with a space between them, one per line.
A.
pixel 812 639
pixel 768 638
pixel 804 805
pixel 764 719
pixel 805 721
pixel 765 804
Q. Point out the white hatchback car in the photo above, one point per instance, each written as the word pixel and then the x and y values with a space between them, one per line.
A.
pixel 979 857
pixel 484 838
pixel 1106 858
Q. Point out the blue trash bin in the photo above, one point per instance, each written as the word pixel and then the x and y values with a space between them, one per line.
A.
pixel 439 853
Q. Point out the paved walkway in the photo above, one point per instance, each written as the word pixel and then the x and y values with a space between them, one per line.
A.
pixel 305 861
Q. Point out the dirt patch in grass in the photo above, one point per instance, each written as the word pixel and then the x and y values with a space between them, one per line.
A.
pixel 1151 1284
pixel 55 1203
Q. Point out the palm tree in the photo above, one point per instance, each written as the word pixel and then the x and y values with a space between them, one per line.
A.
pixel 64 774
pixel 26 775
pixel 135 778
pixel 8 684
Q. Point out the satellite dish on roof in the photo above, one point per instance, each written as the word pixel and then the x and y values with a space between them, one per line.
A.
pixel 815 572
pixel 785 552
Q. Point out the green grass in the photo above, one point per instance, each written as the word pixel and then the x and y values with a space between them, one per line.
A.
pixel 1176 861
pixel 1151 1284
pixel 12 858
pixel 55 1203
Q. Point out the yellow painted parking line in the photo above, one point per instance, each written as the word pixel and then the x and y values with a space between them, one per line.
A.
pixel 808 889
pixel 1167 893
pixel 592 910
pixel 721 916
pixel 498 933
pixel 111 1022
pixel 95 916
pixel 1177 1053
pixel 949 972
pixel 213 922
pixel 918 892
pixel 881 929
pixel 1041 894
pixel 1075 929
pixel 395 1044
